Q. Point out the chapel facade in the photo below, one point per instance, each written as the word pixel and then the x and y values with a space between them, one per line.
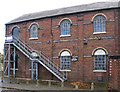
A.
pixel 79 43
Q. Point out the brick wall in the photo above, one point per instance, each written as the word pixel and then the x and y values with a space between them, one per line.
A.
pixel 114 73
pixel 81 43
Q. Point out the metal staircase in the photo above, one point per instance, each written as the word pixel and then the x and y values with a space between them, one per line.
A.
pixel 40 58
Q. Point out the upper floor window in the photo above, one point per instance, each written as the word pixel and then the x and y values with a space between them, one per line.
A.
pixel 65 60
pixel 34 31
pixel 15 33
pixel 65 27
pixel 99 22
pixel 100 60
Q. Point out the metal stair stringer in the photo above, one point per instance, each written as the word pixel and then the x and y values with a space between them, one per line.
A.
pixel 44 61
pixel 22 51
pixel 57 75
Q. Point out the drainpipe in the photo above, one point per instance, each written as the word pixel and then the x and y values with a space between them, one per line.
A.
pixel 52 44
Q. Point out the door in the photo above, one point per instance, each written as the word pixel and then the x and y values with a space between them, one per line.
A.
pixel 15 33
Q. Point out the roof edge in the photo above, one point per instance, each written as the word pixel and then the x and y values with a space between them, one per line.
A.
pixel 65 11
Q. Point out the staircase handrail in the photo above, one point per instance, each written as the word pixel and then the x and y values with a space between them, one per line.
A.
pixel 23 43
pixel 53 64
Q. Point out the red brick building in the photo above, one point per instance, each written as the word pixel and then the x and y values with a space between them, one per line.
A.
pixel 83 41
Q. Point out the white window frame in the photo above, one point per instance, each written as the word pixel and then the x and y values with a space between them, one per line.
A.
pixel 99 22
pixel 31 32
pixel 65 26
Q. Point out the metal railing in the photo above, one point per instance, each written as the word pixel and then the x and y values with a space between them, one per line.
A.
pixel 23 45
pixel 50 64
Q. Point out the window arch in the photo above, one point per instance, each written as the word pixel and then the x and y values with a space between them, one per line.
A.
pixel 99 22
pixel 15 31
pixel 100 60
pixel 34 31
pixel 65 57
pixel 65 27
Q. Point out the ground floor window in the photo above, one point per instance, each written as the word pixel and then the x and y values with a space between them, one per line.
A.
pixel 65 60
pixel 100 60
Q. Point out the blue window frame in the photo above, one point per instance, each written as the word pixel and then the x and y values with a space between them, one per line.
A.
pixel 99 23
pixel 34 31
pixel 100 60
pixel 65 60
pixel 65 27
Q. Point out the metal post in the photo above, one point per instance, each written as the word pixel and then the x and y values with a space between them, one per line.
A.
pixel 32 71
pixel 62 84
pixel 14 64
pixel 36 71
pixel 4 64
pixel 9 62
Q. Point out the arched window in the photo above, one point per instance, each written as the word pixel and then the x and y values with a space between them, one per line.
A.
pixel 65 60
pixel 99 22
pixel 65 27
pixel 100 60
pixel 15 33
pixel 34 31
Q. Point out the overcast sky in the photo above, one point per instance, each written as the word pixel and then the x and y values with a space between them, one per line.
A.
pixel 11 9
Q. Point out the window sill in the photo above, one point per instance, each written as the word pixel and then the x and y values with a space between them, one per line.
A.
pixel 34 38
pixel 13 69
pixel 66 70
pixel 99 70
pixel 99 33
pixel 65 35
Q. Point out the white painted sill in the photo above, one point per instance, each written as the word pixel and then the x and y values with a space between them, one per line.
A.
pixel 99 70
pixel 65 70
pixel 34 38
pixel 65 35
pixel 99 33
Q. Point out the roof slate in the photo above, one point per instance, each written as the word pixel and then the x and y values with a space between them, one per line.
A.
pixel 67 10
